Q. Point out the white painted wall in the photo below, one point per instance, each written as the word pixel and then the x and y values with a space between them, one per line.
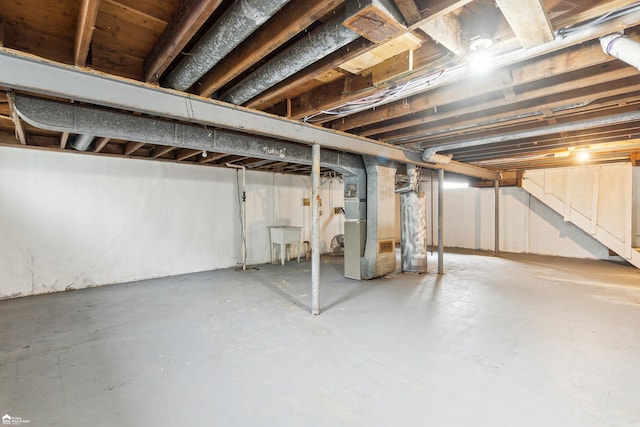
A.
pixel 73 221
pixel 636 207
pixel 527 225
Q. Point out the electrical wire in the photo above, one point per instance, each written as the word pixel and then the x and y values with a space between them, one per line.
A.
pixel 392 92
pixel 400 90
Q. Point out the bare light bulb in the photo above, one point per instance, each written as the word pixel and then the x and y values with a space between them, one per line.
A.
pixel 583 156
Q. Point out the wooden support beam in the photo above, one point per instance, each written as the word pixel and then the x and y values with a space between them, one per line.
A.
pixel 556 97
pixel 583 57
pixel 570 19
pixel 186 153
pixel 439 8
pixel 184 24
pixel 100 143
pixel 353 87
pixel 447 31
pixel 435 9
pixel 276 93
pixel 330 95
pixel 528 20
pixel 547 113
pixel 409 11
pixel 1 32
pixel 84 32
pixel 20 133
pixel 507 81
pixel 161 150
pixel 635 158
pixel 132 147
pixel 291 20
pixel 63 140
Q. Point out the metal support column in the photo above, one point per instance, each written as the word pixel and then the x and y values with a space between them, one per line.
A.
pixel 243 211
pixel 315 229
pixel 496 246
pixel 440 221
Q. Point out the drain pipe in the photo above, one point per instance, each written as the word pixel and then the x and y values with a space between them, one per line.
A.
pixel 241 19
pixel 243 212
pixel 622 47
pixel 82 142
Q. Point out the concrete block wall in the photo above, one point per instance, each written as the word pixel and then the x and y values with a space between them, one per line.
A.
pixel 70 221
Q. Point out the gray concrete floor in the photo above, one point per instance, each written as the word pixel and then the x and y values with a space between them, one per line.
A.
pixel 511 341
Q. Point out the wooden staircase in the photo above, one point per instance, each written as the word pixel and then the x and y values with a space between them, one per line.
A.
pixel 597 199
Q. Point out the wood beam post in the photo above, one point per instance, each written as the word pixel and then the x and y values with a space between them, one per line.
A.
pixel 528 20
pixel 161 150
pixel 409 11
pixel 63 140
pixel 186 153
pixel 84 32
pixel 101 143
pixel 20 133
pixel 132 147
pixel 1 32
pixel 447 31
pixel 184 24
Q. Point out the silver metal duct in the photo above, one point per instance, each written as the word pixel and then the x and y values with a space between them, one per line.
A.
pixel 430 154
pixel 412 180
pixel 76 118
pixel 379 253
pixel 413 232
pixel 623 48
pixel 413 225
pixel 44 77
pixel 82 142
pixel 328 38
pixel 237 23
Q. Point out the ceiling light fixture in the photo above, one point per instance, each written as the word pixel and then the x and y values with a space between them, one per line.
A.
pixel 583 156
pixel 480 62
pixel 480 42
